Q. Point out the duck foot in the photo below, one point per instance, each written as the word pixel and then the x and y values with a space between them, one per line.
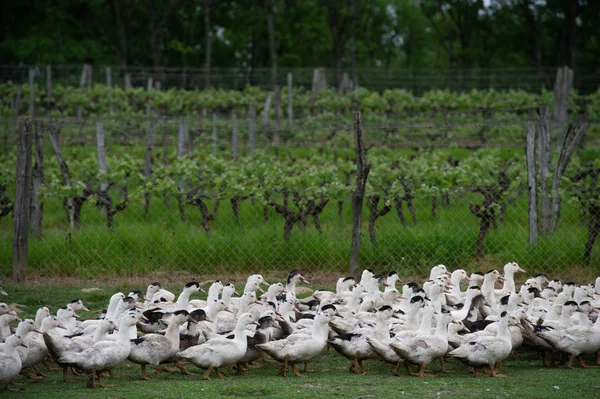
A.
pixel 33 376
pixel 39 373
pixel 91 382
pixel 514 355
pixel 442 361
pixel 569 364
pixel 101 381
pixel 66 375
pixel 408 370
pixel 206 376
pixel 305 367
pixel 422 373
pixel 144 376
pixel 296 371
pixel 48 366
pixel 111 373
pixel 493 371
pixel 159 369
pixel 219 374
pixel 582 363
pixel 183 369
pixel 395 371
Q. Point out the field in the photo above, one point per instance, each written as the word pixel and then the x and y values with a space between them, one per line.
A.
pixel 328 376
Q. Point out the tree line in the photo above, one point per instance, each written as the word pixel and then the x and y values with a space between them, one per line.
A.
pixel 340 34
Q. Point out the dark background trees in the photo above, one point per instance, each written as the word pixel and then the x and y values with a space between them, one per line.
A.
pixel 330 33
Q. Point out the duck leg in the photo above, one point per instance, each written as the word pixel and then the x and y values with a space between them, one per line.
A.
pixel 206 375
pixel 305 367
pixel 582 363
pixel 570 362
pixel 111 373
pixel 493 371
pixel 296 371
pixel 48 366
pixel 362 367
pixel 442 362
pixel 598 358
pixel 182 369
pixel 66 375
pixel 219 374
pixel 421 372
pixel 284 366
pixel 474 372
pixel 144 376
pixel 352 369
pixel 395 372
pixel 91 382
pixel 408 370
pixel 240 369
pixel 101 381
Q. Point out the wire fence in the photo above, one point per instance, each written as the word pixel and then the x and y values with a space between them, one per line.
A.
pixel 231 222
pixel 586 79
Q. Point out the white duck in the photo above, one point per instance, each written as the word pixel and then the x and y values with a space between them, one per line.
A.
pixel 486 350
pixel 355 346
pixel 299 347
pixel 509 278
pixel 10 361
pixel 5 321
pixel 103 355
pixel 220 351
pixel 214 291
pixel 154 349
pixel 424 348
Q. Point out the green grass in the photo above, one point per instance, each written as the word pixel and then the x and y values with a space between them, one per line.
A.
pixel 329 377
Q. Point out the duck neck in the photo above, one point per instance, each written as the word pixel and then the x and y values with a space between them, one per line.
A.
pixel 320 330
pixel 381 327
pixel 290 289
pixel 123 337
pixel 226 297
pixel 441 328
pixel 100 334
pixel 213 294
pixel 509 281
pixel 503 331
pixel 183 300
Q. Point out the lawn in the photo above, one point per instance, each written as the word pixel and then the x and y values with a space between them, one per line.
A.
pixel 328 376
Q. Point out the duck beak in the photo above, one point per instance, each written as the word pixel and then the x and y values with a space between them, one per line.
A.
pixel 265 283
pixel 192 320
pixel 258 302
pixel 144 318
pixel 501 279
pixel 37 331
pixel 139 305
pixel 303 279
pixel 61 326
pixel 12 312
pixel 202 290
pixel 24 346
pixel 255 323
pixel 236 293
pixel 2 292
pixel 227 309
pixel 208 319
pixel 261 290
pixel 75 315
pixel 85 309
pixel 468 278
pixel 520 269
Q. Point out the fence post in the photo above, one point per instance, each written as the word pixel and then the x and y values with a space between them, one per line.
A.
pixel 545 159
pixel 37 205
pixel 266 114
pixel 49 85
pixel 148 164
pixel 31 92
pixel 214 134
pixel 290 106
pixel 362 172
pixel 234 138
pixel 21 210
pixel 109 85
pixel 532 184
pixel 252 127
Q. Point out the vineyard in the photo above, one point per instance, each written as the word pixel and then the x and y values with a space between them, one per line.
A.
pixel 142 181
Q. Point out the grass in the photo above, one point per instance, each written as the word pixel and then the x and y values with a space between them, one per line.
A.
pixel 329 377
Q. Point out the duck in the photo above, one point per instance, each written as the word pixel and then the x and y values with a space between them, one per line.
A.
pixel 299 347
pixel 2 292
pixel 215 289
pixel 159 294
pixel 10 361
pixel 23 329
pixel 574 340
pixel 5 320
pixel 154 349
pixel 38 351
pixel 486 350
pixel 509 278
pixel 294 277
pixel 456 295
pixel 263 334
pixel 355 346
pixel 220 351
pixel 104 355
pixel 4 309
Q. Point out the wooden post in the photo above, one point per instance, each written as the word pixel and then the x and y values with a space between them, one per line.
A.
pixel 37 205
pixel 234 136
pixel 109 85
pixel 102 165
pixel 180 154
pixel 127 81
pixel 545 157
pixel 21 210
pixel 266 114
pixel 290 105
pixel 277 115
pixel 214 134
pixel 532 184
pixel 89 76
pixel 148 164
pixel 362 173
pixel 81 85
pixel 66 175
pixel 252 127
pixel 31 92
pixel 165 152
pixel 49 85
pixel 562 90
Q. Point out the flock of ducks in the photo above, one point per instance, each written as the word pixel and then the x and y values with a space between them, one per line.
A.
pixel 479 319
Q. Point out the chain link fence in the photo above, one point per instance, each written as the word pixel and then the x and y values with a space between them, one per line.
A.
pixel 586 79
pixel 232 222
